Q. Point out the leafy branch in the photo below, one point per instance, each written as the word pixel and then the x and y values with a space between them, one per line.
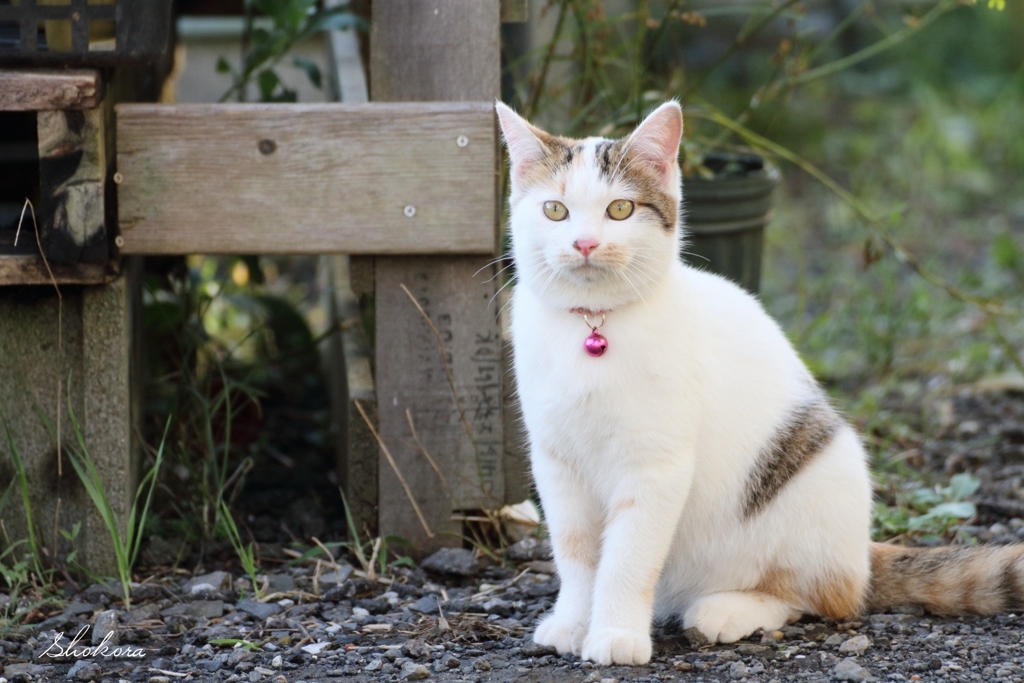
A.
pixel 263 49
pixel 988 306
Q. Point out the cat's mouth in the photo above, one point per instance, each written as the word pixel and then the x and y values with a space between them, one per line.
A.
pixel 589 270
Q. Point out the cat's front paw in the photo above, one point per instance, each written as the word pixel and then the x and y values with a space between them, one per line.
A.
pixel 617 646
pixel 728 617
pixel 565 635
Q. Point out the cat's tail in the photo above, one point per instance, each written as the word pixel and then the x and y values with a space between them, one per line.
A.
pixel 950 580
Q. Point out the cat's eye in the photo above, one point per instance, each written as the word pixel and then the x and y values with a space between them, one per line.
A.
pixel 556 211
pixel 620 209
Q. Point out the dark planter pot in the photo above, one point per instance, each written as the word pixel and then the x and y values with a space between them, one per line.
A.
pixel 725 216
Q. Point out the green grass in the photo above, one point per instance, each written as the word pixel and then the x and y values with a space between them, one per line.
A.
pixel 246 552
pixel 126 542
pixel 21 480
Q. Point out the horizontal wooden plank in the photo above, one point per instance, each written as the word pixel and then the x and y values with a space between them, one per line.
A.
pixel 45 89
pixel 31 270
pixel 378 178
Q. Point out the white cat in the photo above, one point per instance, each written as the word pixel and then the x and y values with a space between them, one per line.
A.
pixel 687 462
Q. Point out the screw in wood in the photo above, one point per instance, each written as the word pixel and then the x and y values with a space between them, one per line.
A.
pixel 410 211
pixel 267 146
pixel 118 178
pixel 462 141
pixel 119 241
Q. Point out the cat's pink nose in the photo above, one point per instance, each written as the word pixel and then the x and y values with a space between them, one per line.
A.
pixel 585 246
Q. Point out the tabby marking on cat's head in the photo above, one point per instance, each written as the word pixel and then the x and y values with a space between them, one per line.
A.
pixel 594 222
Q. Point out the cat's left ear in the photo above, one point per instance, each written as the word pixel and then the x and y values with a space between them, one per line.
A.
pixel 656 140
pixel 524 145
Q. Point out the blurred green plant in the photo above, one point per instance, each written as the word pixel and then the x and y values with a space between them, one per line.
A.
pixel 371 554
pixel 219 341
pixel 928 513
pixel 237 642
pixel 292 21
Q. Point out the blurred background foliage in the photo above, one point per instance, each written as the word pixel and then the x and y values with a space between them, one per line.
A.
pixel 912 106
pixel 927 133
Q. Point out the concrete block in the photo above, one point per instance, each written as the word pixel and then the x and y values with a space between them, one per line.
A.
pixel 90 346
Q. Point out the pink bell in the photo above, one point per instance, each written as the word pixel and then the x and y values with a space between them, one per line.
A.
pixel 595 344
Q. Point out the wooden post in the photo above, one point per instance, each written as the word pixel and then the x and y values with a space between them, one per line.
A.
pixel 349 360
pixel 76 147
pixel 430 50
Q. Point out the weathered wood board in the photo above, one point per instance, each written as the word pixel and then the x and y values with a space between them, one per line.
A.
pixel 74 153
pixel 32 270
pixel 437 50
pixel 458 305
pixel 401 178
pixel 48 89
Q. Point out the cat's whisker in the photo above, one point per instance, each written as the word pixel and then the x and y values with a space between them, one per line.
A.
pixel 490 279
pixel 690 253
pixel 507 302
pixel 623 275
pixel 511 280
pixel 491 263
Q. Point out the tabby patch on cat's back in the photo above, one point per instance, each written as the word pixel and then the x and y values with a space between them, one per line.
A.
pixel 689 465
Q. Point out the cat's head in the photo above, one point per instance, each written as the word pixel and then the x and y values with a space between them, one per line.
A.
pixel 595 222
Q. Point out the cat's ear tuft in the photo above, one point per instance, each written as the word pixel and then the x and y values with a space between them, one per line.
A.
pixel 524 147
pixel 656 140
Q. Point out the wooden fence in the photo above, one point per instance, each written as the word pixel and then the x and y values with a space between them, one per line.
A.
pixel 407 184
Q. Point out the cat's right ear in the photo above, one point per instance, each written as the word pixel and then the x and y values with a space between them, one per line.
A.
pixel 525 148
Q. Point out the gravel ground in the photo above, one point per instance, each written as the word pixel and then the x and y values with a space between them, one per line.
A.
pixel 455 619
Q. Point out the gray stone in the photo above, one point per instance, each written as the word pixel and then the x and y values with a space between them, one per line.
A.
pixel 532 649
pixel 281 583
pixel 855 646
pixel 84 670
pixel 28 669
pixel 452 561
pixel 411 671
pixel 425 605
pixel 849 670
pixel 207 609
pixel 315 648
pixel 218 580
pixel 529 550
pixel 450 661
pixel 210 665
pixel 78 608
pixel 911 609
pixel 105 624
pixel 336 577
pixel 482 664
pixel 143 592
pixel 416 649
pixel 833 640
pixel 738 670
pixel 260 610
pixel 204 609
